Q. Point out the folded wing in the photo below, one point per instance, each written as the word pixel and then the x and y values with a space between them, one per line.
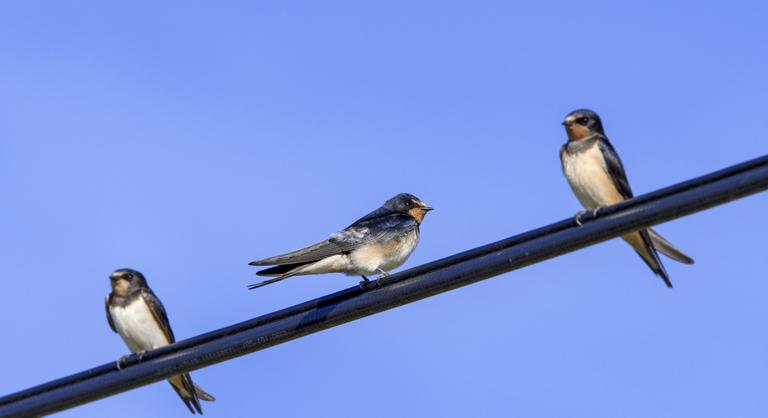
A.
pixel 346 241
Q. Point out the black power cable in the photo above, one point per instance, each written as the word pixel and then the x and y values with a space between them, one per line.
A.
pixel 399 289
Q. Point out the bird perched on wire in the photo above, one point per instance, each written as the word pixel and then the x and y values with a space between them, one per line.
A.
pixel 596 175
pixel 138 316
pixel 376 243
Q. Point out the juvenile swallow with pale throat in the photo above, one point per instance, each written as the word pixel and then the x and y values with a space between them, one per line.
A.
pixel 376 243
pixel 134 312
pixel 596 175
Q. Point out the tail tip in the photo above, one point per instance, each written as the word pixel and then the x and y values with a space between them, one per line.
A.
pixel 206 397
pixel 261 284
pixel 664 277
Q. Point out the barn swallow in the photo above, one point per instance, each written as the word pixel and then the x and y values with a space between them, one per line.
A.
pixel 376 243
pixel 134 312
pixel 596 175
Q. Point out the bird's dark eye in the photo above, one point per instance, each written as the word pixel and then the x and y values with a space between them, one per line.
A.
pixel 583 120
pixel 128 277
pixel 408 203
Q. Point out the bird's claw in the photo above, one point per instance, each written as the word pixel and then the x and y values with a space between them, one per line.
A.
pixel 121 362
pixel 383 275
pixel 578 217
pixel 364 283
pixel 581 214
pixel 370 284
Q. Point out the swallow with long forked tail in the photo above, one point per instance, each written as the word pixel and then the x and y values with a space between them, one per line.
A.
pixel 596 175
pixel 375 244
pixel 138 316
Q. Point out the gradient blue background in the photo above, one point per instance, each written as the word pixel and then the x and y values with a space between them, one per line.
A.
pixel 185 139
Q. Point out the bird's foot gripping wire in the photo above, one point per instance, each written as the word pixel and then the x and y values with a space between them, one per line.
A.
pixel 581 214
pixel 364 283
pixel 384 275
pixel 121 362
pixel 578 217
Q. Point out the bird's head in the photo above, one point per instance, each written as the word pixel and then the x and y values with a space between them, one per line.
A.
pixel 124 281
pixel 408 204
pixel 582 124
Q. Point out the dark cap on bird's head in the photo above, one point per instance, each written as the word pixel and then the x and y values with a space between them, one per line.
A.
pixel 125 280
pixel 582 124
pixel 408 204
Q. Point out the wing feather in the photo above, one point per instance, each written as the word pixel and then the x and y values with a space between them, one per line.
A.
pixel 314 252
pixel 346 241
pixel 109 315
pixel 614 167
pixel 158 311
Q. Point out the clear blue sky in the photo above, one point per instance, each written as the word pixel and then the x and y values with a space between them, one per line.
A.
pixel 185 139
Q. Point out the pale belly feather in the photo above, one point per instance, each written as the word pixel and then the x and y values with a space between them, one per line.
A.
pixel 137 326
pixel 384 256
pixel 587 175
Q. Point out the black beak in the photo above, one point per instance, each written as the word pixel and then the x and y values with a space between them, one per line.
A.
pixel 113 278
pixel 427 209
pixel 567 124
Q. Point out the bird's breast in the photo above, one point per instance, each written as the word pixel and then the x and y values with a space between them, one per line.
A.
pixel 588 177
pixel 385 255
pixel 137 326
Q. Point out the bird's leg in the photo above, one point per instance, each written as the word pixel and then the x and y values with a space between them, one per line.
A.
pixel 578 216
pixel 364 282
pixel 384 275
pixel 581 214
pixel 121 362
pixel 140 355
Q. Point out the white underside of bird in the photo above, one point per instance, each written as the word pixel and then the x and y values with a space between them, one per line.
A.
pixel 137 326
